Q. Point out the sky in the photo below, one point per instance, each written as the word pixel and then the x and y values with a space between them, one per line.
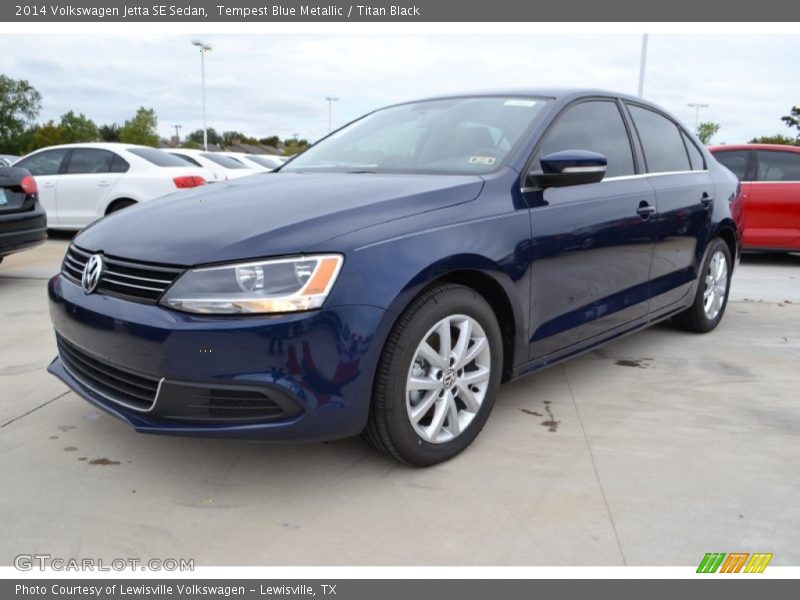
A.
pixel 276 84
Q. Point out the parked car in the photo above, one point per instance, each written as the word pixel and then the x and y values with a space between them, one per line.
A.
pixel 80 183
pixel 6 160
pixel 23 223
pixel 389 278
pixel 221 166
pixel 770 176
pixel 259 162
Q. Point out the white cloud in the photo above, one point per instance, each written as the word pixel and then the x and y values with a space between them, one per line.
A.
pixel 265 84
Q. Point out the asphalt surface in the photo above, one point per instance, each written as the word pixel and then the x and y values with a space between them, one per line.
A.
pixel 650 451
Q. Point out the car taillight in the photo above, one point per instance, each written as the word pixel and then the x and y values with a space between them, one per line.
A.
pixel 28 185
pixel 188 181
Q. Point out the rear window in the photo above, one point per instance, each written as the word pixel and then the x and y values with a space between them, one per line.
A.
pixel 735 161
pixel 157 157
pixel 223 161
pixel 661 140
pixel 187 158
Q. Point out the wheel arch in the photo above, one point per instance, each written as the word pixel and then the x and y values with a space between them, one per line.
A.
pixel 491 283
pixel 122 199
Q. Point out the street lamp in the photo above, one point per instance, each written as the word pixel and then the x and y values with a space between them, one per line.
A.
pixel 697 106
pixel 330 100
pixel 642 64
pixel 203 49
pixel 178 134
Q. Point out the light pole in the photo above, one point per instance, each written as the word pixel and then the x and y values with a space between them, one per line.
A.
pixel 177 134
pixel 697 106
pixel 642 64
pixel 330 100
pixel 203 49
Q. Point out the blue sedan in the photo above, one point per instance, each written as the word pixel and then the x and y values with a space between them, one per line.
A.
pixel 387 280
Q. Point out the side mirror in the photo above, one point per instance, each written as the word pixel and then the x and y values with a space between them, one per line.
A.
pixel 568 167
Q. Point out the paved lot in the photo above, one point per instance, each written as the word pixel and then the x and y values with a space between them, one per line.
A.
pixel 650 451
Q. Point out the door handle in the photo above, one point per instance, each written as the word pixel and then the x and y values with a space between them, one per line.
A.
pixel 102 184
pixel 706 200
pixel 645 210
pixel 48 185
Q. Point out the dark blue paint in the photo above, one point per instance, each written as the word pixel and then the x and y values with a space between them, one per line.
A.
pixel 578 266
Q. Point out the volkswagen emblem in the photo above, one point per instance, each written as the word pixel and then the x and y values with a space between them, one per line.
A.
pixel 449 379
pixel 91 273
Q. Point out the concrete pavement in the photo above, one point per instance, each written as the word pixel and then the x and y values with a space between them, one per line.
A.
pixel 650 451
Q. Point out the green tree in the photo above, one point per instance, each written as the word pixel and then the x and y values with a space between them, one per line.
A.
pixel 793 120
pixel 191 144
pixel 78 128
pixel 706 131
pixel 141 129
pixel 47 134
pixel 19 106
pixel 272 140
pixel 108 133
pixel 778 138
pixel 213 137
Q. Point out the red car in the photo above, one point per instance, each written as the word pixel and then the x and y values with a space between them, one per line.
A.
pixel 770 176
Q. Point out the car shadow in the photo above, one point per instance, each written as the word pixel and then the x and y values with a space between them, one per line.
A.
pixel 771 259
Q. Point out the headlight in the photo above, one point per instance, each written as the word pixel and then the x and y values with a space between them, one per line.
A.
pixel 269 286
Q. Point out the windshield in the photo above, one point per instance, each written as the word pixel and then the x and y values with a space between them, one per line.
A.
pixel 456 135
pixel 224 161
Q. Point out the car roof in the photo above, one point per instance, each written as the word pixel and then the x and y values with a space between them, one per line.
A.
pixel 556 93
pixel 783 147
pixel 99 145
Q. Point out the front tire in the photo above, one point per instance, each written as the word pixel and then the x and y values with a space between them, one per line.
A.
pixel 437 378
pixel 711 298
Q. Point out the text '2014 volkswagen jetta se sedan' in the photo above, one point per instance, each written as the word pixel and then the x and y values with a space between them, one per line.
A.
pixel 388 279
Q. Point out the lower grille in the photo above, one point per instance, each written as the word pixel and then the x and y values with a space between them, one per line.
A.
pixel 132 280
pixel 118 385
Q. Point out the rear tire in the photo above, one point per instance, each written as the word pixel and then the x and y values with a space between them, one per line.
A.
pixel 432 396
pixel 713 287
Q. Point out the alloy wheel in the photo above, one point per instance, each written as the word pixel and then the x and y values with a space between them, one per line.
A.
pixel 716 285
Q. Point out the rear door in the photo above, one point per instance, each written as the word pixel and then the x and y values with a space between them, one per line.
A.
pixel 84 186
pixel 45 167
pixel 772 210
pixel 684 192
pixel 591 244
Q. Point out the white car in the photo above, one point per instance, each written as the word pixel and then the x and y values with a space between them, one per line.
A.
pixel 80 183
pixel 260 162
pixel 219 165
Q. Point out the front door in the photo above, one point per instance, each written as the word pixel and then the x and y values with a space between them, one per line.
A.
pixel 591 244
pixel 45 167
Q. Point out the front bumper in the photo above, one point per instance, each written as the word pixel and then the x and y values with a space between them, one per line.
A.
pixel 218 377
pixel 22 230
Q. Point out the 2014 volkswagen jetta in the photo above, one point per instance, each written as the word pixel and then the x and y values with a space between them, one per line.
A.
pixel 388 279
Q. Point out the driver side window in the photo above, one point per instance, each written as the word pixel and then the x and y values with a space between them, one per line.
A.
pixel 44 163
pixel 597 126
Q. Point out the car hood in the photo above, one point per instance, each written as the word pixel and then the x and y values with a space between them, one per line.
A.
pixel 269 214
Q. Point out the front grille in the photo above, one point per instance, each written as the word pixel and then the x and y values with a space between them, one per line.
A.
pixel 124 278
pixel 119 385
pixel 241 403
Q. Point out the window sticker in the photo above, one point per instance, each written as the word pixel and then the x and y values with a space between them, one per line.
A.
pixel 526 103
pixel 482 160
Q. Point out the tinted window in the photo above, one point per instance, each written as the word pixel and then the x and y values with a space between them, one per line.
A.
pixel 157 157
pixel 223 161
pixel 695 156
pixel 270 163
pixel 595 126
pixel 661 141
pixel 89 160
pixel 119 164
pixel 44 163
pixel 778 166
pixel 735 160
pixel 187 158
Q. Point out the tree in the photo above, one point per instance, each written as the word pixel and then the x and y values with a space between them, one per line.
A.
pixel 272 140
pixel 141 129
pixel 191 144
pixel 706 131
pixel 108 133
pixel 775 139
pixel 197 137
pixel 19 106
pixel 793 120
pixel 47 134
pixel 78 128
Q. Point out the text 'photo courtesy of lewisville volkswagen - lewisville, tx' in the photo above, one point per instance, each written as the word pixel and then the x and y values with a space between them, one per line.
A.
pixel 398 300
